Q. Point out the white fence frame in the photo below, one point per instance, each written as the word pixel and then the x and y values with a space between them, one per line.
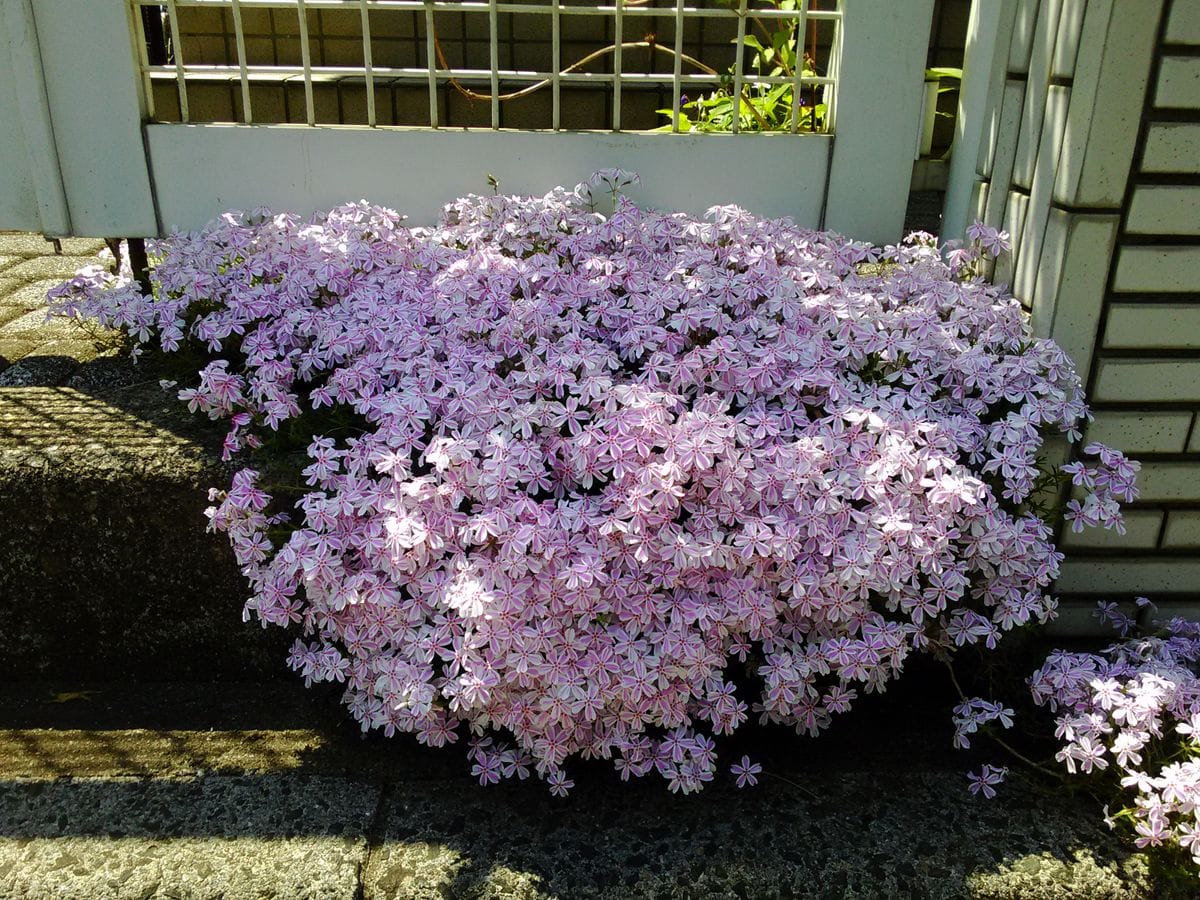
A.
pixel 98 167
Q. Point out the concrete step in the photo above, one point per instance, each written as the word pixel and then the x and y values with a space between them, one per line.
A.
pixel 105 566
pixel 236 790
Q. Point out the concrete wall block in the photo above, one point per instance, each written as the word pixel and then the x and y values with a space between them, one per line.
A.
pixel 93 90
pixel 1066 46
pixel 1184 25
pixel 1172 147
pixel 1178 83
pixel 979 196
pixel 1166 610
pixel 1142 431
pixel 1174 481
pixel 1111 77
pixel 1040 59
pixel 1054 117
pixel 305 169
pixel 1129 575
pixel 1164 209
pixel 1168 326
pixel 1149 269
pixel 1049 273
pixel 1183 529
pixel 877 119
pixel 1077 618
pixel 1141 533
pixel 1024 29
pixel 1012 105
pixel 1148 380
pixel 1069 294
pixel 1013 223
pixel 18 197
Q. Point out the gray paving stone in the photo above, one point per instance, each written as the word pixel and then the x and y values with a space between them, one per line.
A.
pixel 39 370
pixel 13 349
pixel 845 835
pixel 9 314
pixel 210 837
pixel 27 295
pixel 81 246
pixel 25 244
pixel 34 324
pixel 61 267
pixel 22 243
pixel 8 285
pixel 103 487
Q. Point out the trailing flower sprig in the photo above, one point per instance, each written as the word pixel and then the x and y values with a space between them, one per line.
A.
pixel 1132 711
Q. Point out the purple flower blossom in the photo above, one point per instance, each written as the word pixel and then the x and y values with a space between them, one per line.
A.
pixel 592 459
pixel 560 784
pixel 746 771
pixel 1135 708
pixel 985 780
pixel 991 240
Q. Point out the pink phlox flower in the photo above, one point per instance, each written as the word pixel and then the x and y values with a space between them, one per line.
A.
pixel 747 772
pixel 985 780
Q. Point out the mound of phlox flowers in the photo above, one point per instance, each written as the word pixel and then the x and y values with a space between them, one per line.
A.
pixel 619 482
pixel 1134 710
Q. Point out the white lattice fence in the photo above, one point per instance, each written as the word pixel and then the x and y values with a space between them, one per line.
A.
pixel 95 156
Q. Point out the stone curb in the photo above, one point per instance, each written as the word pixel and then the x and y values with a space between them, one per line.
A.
pixel 284 835
pixel 252 790
pixel 105 565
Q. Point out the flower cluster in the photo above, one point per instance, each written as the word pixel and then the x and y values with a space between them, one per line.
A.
pixel 613 484
pixel 971 714
pixel 1108 482
pixel 1135 708
pixel 985 780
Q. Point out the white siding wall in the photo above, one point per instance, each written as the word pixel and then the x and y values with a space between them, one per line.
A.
pixel 1093 165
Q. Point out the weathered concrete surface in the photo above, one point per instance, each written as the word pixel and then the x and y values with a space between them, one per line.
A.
pixel 287 835
pixel 209 837
pixel 28 269
pixel 105 566
pixel 231 782
pixel 909 835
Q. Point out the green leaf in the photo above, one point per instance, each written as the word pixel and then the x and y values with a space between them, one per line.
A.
pixel 940 72
pixel 750 41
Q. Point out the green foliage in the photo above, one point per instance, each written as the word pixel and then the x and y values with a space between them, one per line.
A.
pixel 774 51
pixel 775 48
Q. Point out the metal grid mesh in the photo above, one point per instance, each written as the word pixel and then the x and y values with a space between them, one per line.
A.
pixel 556 64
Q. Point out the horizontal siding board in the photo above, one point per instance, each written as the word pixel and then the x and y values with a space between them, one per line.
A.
pixel 1141 431
pixel 1164 209
pixel 1178 83
pixel 1148 380
pixel 1130 575
pixel 1183 27
pixel 1183 529
pixel 1169 482
pixel 1141 533
pixel 1157 269
pixel 1158 325
pixel 1172 147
